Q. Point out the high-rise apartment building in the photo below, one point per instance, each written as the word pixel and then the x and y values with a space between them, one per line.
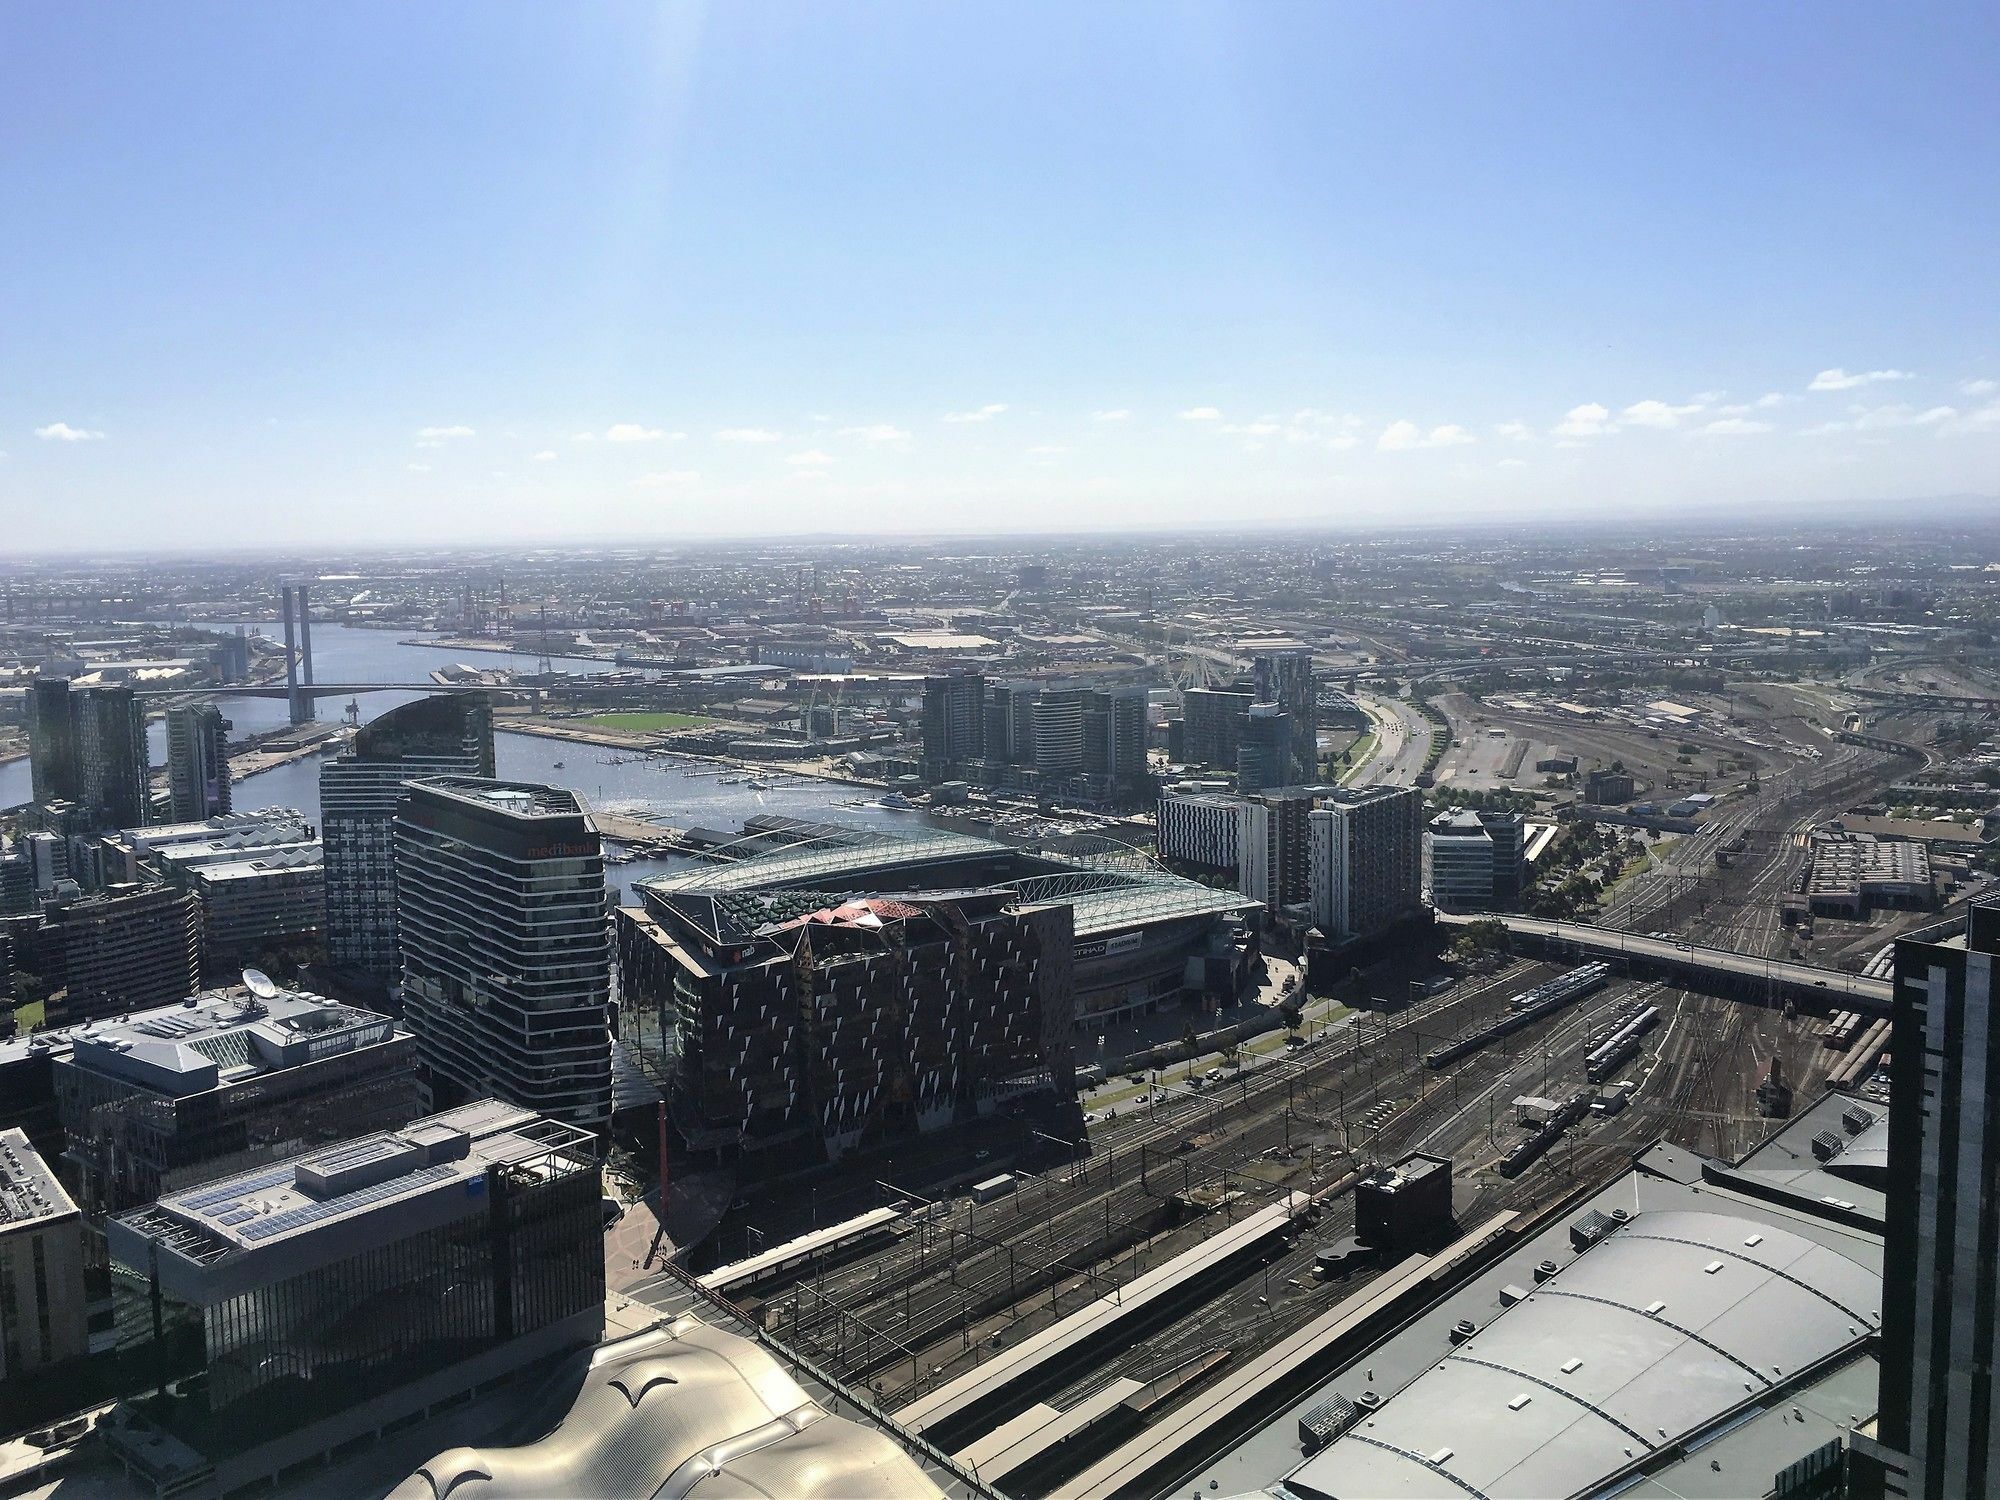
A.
pixel 445 735
pixel 87 746
pixel 1200 828
pixel 1264 755
pixel 1059 731
pixel 197 762
pixel 1285 677
pixel 51 741
pixel 504 927
pixel 1367 860
pixel 1010 722
pixel 1935 1434
pixel 954 725
pixel 124 949
pixel 1114 733
pixel 1212 725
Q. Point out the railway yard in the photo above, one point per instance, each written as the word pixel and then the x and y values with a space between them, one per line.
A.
pixel 975 1265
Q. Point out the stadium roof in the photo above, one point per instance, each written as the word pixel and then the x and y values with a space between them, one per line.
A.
pixel 837 855
pixel 1103 901
pixel 1105 893
pixel 1645 1340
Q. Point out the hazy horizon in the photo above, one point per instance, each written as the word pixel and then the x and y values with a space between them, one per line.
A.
pixel 380 275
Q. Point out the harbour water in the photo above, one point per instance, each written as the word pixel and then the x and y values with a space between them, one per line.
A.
pixel 616 781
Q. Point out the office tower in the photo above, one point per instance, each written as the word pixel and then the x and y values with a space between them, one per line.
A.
pixel 502 911
pixel 346 1290
pixel 197 762
pixel 1367 860
pixel 1264 756
pixel 42 1298
pixel 1286 678
pixel 954 722
pixel 1935 1433
pixel 1475 861
pixel 809 1023
pixel 87 747
pixel 221 1081
pixel 51 741
pixel 1212 725
pixel 1059 731
pixel 445 735
pixel 124 949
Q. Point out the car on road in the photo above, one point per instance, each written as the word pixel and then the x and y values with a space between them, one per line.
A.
pixel 982 1156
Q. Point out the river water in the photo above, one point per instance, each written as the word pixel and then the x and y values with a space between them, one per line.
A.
pixel 639 785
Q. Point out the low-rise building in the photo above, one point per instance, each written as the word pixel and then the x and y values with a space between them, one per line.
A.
pixel 223 1080
pixel 1850 875
pixel 343 1291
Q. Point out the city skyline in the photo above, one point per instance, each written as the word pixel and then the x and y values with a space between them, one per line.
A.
pixel 415 276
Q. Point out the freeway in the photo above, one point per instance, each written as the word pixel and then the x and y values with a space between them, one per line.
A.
pixel 1681 957
pixel 1402 743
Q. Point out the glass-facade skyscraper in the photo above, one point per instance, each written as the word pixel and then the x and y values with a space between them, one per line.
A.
pixel 503 919
pixel 445 735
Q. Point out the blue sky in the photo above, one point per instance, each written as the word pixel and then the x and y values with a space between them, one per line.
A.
pixel 301 272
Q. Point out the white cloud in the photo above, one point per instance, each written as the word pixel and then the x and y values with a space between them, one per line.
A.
pixel 1404 435
pixel 583 437
pixel 1735 427
pixel 1838 379
pixel 418 468
pixel 1659 413
pixel 748 435
pixel 1512 463
pixel 1046 450
pixel 1978 387
pixel 1263 427
pixel 638 432
pixel 1201 414
pixel 1986 416
pixel 875 434
pixel 1342 440
pixel 1770 399
pixel 1514 432
pixel 1118 414
pixel 62 432
pixel 439 434
pixel 812 458
pixel 1587 420
pixel 546 456
pixel 977 414
pixel 1886 418
pixel 667 479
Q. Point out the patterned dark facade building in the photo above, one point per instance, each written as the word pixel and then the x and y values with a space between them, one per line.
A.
pixel 812 1023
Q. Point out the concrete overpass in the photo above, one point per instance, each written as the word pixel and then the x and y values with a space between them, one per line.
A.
pixel 1693 965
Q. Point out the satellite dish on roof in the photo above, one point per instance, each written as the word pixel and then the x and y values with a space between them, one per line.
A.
pixel 260 984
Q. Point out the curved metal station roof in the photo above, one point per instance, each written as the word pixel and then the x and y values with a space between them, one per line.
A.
pixel 1646 1339
pixel 687 1411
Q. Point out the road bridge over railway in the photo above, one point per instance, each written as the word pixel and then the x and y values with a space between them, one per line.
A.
pixel 1690 964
